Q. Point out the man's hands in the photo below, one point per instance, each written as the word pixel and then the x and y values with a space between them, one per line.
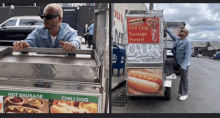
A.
pixel 184 68
pixel 67 46
pixel 19 45
pixel 165 25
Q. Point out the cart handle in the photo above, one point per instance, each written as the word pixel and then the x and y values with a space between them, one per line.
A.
pixel 54 50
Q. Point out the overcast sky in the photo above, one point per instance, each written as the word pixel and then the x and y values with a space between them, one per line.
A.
pixel 202 20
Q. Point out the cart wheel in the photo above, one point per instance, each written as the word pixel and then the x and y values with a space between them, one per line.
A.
pixel 24 52
pixel 167 93
pixel 133 98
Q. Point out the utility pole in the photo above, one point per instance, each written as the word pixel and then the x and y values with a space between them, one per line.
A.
pixel 151 6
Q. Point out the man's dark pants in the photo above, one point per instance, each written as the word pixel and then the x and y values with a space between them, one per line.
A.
pixel 90 40
pixel 183 86
pixel 86 39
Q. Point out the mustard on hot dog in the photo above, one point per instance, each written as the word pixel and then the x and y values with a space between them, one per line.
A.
pixel 146 76
pixel 142 85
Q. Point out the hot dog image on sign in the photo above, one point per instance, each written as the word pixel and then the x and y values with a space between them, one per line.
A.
pixel 143 30
pixel 20 105
pixel 64 106
pixel 144 81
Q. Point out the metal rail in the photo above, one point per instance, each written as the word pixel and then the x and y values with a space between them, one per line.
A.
pixel 54 50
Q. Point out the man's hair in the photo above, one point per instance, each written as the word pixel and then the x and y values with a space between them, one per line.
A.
pixel 187 31
pixel 58 8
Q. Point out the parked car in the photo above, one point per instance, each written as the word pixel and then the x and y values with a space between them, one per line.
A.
pixel 18 27
pixel 216 55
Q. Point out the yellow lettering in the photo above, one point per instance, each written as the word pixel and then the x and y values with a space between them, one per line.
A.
pixel 137 34
pixel 143 28
pixel 138 40
pixel 132 28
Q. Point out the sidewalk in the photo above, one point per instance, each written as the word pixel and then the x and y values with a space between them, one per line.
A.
pixel 117 81
pixel 84 47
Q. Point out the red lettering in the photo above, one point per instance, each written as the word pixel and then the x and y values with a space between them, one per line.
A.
pixel 118 16
pixel 115 13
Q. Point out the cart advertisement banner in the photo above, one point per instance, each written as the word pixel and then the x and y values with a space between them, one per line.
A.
pixel 36 102
pixel 144 81
pixel 143 30
pixel 25 105
pixel 1 104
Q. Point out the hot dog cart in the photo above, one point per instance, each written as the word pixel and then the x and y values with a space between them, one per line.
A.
pixel 52 80
pixel 145 54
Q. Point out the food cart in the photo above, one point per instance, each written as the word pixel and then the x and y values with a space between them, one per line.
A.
pixel 146 54
pixel 50 80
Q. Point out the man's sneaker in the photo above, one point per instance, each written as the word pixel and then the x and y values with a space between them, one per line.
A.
pixel 183 97
pixel 172 76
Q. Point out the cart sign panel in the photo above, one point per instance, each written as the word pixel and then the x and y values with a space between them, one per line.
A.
pixel 144 81
pixel 143 30
pixel 36 102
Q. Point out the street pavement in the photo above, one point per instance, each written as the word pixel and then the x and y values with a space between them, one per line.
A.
pixel 204 94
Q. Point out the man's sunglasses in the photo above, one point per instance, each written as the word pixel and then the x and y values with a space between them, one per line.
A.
pixel 182 30
pixel 49 17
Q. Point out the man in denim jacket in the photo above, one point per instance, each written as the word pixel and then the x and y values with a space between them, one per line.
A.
pixel 182 52
pixel 53 34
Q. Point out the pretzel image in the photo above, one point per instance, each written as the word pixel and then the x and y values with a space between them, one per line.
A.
pixel 152 23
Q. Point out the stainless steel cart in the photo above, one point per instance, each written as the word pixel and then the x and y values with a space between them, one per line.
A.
pixel 146 54
pixel 57 75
